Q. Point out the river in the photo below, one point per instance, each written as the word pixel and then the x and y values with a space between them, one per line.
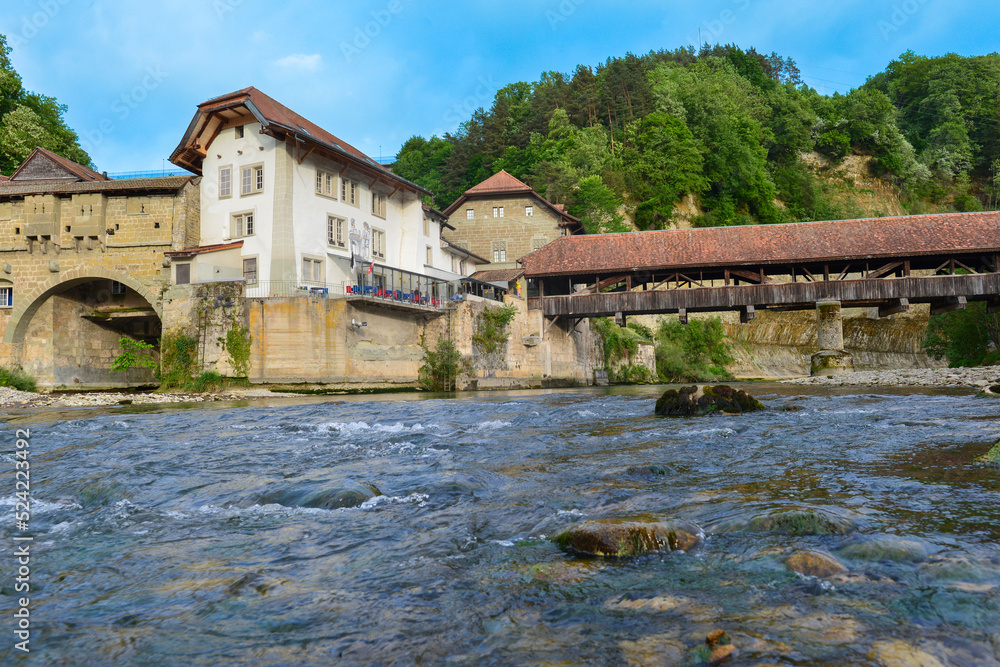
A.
pixel 416 530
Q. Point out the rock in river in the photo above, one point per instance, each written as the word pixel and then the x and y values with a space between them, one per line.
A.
pixel 815 564
pixel 695 401
pixel 630 537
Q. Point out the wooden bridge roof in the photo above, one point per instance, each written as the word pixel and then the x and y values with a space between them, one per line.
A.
pixel 756 245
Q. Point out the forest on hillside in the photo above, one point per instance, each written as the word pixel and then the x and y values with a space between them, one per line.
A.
pixel 735 129
pixel 28 120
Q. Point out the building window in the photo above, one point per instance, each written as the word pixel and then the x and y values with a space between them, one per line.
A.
pixel 427 227
pixel 117 288
pixel 6 297
pixel 539 242
pixel 454 264
pixel 249 270
pixel 378 204
pixel 241 224
pixel 429 257
pixel 499 251
pixel 252 179
pixel 378 243
pixel 312 270
pixel 335 235
pixel 470 214
pixel 348 191
pixel 225 182
pixel 498 211
pixel 461 267
pixel 183 275
pixel 239 131
pixel 529 211
pixel 326 183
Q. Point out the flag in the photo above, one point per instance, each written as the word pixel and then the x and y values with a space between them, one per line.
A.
pixel 352 260
pixel 370 267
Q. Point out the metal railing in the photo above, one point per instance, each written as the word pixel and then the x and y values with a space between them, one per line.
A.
pixel 411 289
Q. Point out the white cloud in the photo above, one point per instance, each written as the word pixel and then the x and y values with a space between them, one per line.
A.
pixel 302 62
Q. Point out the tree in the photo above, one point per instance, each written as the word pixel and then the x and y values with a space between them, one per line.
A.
pixel 965 337
pixel 29 120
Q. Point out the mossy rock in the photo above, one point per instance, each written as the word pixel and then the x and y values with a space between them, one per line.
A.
pixel 992 457
pixel 696 401
pixel 889 548
pixel 798 522
pixel 620 538
pixel 815 564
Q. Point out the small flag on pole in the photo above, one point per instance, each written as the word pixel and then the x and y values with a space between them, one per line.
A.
pixel 370 267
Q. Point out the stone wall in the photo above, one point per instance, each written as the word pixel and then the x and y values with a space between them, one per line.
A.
pixel 520 232
pixel 309 339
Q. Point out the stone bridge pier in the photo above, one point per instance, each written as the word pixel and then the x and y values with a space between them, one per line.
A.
pixel 831 359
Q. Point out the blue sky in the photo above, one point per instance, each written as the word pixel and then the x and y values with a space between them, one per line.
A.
pixel 376 73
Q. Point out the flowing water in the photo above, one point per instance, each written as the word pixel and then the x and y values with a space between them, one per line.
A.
pixel 413 530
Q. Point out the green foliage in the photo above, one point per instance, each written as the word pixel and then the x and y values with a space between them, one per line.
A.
pixel 17 378
pixel 598 206
pixel 491 328
pixel 722 124
pixel 238 344
pixel 692 352
pixel 964 337
pixel 178 360
pixel 442 367
pixel 135 353
pixel 207 382
pixel 29 120
pixel 618 347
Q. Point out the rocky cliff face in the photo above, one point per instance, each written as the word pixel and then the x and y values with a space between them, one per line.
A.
pixel 777 345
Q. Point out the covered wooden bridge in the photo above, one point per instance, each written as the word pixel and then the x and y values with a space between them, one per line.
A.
pixel 888 263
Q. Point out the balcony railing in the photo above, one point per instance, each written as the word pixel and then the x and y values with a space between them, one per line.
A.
pixel 382 283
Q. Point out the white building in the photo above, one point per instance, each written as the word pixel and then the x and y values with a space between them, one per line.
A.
pixel 312 211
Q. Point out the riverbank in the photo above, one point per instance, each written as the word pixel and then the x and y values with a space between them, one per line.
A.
pixel 951 378
pixel 981 378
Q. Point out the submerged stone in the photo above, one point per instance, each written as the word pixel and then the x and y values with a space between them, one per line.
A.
pixel 895 549
pixel 623 537
pixel 815 564
pixel 896 653
pixel 695 401
pixel 798 522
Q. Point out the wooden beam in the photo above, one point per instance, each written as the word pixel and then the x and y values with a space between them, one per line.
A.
pixel 620 319
pixel 749 276
pixel 746 314
pixel 682 315
pixel 691 281
pixel 843 274
pixel 809 275
pixel 308 153
pixel 601 285
pixel 878 273
pixel 546 330
pixel 948 305
pixel 897 306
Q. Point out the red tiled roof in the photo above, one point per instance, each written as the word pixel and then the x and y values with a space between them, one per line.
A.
pixel 158 184
pixel 271 113
pixel 756 245
pixel 501 182
pixel 78 170
pixel 4 178
pixel 205 249
pixel 498 275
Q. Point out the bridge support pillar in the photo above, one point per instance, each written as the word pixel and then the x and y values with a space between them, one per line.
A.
pixel 831 358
